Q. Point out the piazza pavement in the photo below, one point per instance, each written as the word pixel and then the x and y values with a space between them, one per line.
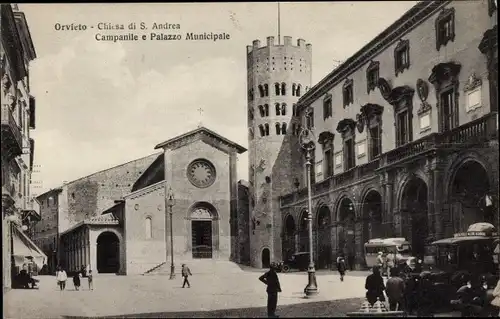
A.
pixel 235 293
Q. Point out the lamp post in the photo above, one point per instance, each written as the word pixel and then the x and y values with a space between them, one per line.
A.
pixel 170 204
pixel 306 140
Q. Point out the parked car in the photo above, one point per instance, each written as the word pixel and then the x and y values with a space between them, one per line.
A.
pixel 298 261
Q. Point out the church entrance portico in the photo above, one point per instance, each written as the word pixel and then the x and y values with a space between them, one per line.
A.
pixel 204 231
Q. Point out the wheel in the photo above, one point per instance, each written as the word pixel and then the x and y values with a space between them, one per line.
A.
pixel 286 268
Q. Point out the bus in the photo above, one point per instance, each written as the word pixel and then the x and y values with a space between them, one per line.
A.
pixel 400 247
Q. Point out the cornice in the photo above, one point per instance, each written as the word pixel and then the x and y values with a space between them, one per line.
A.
pixel 410 20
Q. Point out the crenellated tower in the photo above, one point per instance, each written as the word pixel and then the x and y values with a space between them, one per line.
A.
pixel 277 76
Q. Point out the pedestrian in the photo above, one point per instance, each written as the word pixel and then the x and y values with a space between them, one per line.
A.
pixel 341 266
pixel 390 261
pixel 61 278
pixel 76 280
pixel 395 288
pixel 381 262
pixel 375 286
pixel 496 294
pixel 270 278
pixel 89 277
pixel 186 272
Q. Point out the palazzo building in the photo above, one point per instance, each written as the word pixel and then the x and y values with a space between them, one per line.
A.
pixel 19 211
pixel 406 133
pixel 120 220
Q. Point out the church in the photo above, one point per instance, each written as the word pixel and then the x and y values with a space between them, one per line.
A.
pixel 130 219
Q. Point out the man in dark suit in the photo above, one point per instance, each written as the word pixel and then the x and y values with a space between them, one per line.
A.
pixel 272 281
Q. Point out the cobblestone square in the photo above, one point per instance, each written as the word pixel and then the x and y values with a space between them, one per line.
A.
pixel 231 295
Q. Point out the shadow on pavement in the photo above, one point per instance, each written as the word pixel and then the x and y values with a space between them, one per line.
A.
pixel 335 308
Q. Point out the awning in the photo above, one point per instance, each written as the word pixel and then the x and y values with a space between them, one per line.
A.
pixel 24 250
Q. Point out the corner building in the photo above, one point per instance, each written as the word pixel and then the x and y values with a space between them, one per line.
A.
pixel 407 136
pixel 278 74
pixel 19 210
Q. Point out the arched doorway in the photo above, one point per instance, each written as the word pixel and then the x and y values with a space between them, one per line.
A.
pixel 202 229
pixel 372 216
pixel 266 258
pixel 108 253
pixel 303 234
pixel 414 215
pixel 345 230
pixel 288 237
pixel 469 195
pixel 324 246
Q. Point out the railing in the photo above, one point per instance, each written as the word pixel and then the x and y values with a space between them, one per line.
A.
pixel 8 121
pixel 477 131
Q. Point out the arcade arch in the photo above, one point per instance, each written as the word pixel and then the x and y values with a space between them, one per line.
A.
pixel 324 238
pixel 372 216
pixel 469 197
pixel 345 229
pixel 288 242
pixel 414 207
pixel 303 235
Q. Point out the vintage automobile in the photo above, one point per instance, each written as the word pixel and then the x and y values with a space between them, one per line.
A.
pixel 465 256
pixel 298 261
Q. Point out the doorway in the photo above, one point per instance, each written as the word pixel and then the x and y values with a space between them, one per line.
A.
pixel 108 253
pixel 266 258
pixel 201 238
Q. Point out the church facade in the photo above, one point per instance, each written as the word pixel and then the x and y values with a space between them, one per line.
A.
pixel 185 197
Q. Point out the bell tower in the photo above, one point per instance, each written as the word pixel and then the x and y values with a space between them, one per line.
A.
pixel 277 75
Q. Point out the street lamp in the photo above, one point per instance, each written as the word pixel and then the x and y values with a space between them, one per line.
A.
pixel 170 204
pixel 306 140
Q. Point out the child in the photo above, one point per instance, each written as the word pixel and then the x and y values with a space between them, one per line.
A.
pixel 89 276
pixel 76 280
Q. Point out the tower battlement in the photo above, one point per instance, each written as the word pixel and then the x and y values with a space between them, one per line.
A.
pixel 271 42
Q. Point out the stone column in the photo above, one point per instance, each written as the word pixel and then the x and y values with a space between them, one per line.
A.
pixel 93 257
pixel 358 242
pixel 440 213
pixel 390 223
pixel 431 200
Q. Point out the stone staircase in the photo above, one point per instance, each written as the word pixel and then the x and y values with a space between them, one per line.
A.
pixel 197 267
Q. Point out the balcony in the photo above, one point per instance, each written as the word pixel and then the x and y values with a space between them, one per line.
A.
pixel 473 133
pixel 336 181
pixel 12 141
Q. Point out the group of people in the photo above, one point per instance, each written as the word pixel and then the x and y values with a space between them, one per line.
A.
pixel 62 277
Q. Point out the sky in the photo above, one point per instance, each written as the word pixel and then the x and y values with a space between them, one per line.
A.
pixel 101 104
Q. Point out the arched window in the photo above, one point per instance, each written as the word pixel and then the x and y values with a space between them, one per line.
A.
pixel 278 109
pixel 283 109
pixel 294 88
pixel 298 90
pixel 266 90
pixel 283 89
pixel 262 130
pixel 149 228
pixel 261 91
pixel 266 109
pixel 277 88
pixel 294 109
pixel 267 129
pixel 283 128
pixel 278 128
pixel 250 113
pixel 261 110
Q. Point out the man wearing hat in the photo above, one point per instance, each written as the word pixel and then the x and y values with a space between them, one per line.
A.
pixel 272 281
